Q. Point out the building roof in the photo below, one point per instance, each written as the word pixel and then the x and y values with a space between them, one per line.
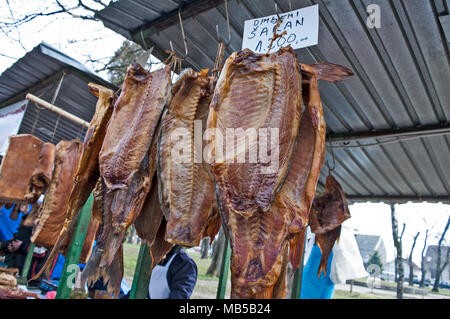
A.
pixel 39 72
pixel 400 84
pixel 367 244
pixel 432 252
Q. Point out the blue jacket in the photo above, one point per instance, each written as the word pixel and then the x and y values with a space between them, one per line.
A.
pixel 312 286
pixel 9 226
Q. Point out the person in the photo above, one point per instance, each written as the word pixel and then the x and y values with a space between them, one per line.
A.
pixel 174 277
pixel 344 263
pixel 10 218
pixel 16 248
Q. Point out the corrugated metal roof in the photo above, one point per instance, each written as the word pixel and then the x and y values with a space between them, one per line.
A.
pixel 39 72
pixel 401 79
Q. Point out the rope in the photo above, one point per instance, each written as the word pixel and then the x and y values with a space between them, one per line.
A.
pixel 54 130
pixel 275 34
pixel 38 112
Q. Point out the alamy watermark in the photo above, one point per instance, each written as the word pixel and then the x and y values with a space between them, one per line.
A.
pixel 230 145
pixel 374 18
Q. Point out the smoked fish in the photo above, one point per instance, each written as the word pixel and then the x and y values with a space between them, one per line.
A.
pixel 52 213
pixel 255 94
pixel 186 186
pixel 124 159
pixel 328 212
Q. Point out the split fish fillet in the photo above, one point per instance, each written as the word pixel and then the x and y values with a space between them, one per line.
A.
pixel 17 167
pixel 125 160
pixel 255 92
pixel 53 211
pixel 151 225
pixel 87 172
pixel 258 268
pixel 328 212
pixel 186 187
pixel 150 217
pixel 112 275
pixel 42 174
pixel 160 246
pixel 259 243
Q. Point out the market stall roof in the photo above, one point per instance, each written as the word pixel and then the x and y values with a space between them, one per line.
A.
pixel 39 72
pixel 398 101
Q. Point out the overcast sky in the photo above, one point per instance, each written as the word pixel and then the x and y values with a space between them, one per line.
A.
pixel 86 40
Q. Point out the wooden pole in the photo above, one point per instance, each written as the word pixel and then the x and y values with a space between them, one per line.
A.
pixel 142 273
pixel 225 267
pixel 57 110
pixel 75 248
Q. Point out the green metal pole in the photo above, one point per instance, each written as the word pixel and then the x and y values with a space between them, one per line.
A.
pixel 27 263
pixel 224 268
pixel 297 282
pixel 142 273
pixel 70 269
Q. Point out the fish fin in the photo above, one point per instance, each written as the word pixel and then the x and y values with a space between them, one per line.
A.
pixel 280 287
pixel 327 71
pixel 114 273
pixel 326 242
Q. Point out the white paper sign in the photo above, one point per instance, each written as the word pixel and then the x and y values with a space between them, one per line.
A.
pixel 301 26
pixel 10 120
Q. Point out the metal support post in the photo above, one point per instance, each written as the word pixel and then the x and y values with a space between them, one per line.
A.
pixel 224 269
pixel 74 252
pixel 27 263
pixel 142 273
pixel 297 282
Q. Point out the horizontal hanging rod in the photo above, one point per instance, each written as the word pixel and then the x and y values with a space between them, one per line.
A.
pixel 56 110
pixel 392 135
pixel 399 199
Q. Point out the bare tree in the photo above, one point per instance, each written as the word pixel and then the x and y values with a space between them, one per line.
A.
pixel 422 263
pixel 440 268
pixel 46 12
pixel 204 247
pixel 219 247
pixel 400 274
pixel 410 262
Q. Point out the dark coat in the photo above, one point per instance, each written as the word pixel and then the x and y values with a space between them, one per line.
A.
pixel 17 259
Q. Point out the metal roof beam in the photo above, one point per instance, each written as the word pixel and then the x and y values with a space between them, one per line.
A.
pixel 399 199
pixel 423 131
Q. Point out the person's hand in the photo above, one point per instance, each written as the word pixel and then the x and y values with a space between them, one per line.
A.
pixel 14 245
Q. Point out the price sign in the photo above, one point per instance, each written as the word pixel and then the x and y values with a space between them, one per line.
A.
pixel 301 26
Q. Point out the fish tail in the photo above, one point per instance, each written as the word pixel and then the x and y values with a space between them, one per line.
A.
pixel 326 242
pixel 296 247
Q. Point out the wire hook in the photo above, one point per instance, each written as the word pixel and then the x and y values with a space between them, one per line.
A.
pixel 184 36
pixel 227 15
pixel 330 169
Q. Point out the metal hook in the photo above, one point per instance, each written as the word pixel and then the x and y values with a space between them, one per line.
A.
pixel 276 10
pixel 330 169
pixel 228 26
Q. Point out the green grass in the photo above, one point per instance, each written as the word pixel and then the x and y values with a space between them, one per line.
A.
pixel 442 291
pixel 130 255
pixel 342 294
pixel 131 252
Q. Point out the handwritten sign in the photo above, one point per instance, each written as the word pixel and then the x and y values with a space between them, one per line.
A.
pixel 301 26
